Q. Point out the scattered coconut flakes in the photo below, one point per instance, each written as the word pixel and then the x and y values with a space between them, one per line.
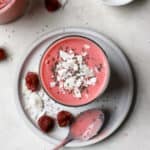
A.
pixel 42 105
pixel 52 84
pixel 34 105
pixel 91 81
pixel 77 93
pixel 35 102
pixel 72 73
pixel 86 46
pixel 84 54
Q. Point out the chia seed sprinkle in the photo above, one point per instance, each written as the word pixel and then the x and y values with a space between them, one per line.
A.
pixel 72 73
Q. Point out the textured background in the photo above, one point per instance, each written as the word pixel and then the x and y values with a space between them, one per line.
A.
pixel 128 26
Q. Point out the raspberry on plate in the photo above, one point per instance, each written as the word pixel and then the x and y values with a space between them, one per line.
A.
pixel 64 118
pixel 52 5
pixel 32 81
pixel 3 54
pixel 46 123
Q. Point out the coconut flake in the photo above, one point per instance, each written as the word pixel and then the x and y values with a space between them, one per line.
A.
pixel 52 84
pixel 86 46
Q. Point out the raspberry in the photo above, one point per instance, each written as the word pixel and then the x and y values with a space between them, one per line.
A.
pixel 64 118
pixel 32 81
pixel 2 54
pixel 46 123
pixel 52 5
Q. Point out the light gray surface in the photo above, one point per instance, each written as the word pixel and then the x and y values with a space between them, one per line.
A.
pixel 128 26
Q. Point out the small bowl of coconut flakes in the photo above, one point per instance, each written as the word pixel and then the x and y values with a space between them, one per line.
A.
pixel 74 71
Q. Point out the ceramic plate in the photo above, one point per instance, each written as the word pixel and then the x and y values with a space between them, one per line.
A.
pixel 115 102
pixel 116 2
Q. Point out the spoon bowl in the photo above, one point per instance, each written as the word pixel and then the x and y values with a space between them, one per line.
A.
pixel 85 126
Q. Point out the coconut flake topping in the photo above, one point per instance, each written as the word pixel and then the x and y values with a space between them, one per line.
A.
pixel 72 73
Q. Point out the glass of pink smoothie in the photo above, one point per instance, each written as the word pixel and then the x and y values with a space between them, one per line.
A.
pixel 74 71
pixel 11 10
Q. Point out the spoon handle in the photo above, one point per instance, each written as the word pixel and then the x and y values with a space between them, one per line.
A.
pixel 63 143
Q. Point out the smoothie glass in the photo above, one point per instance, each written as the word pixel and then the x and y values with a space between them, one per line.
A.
pixel 97 59
pixel 10 10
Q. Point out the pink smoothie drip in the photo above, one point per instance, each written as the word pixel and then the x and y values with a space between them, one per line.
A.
pixel 88 124
pixel 96 59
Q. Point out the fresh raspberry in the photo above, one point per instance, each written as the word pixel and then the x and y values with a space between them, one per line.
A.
pixel 2 54
pixel 46 123
pixel 64 118
pixel 32 81
pixel 52 5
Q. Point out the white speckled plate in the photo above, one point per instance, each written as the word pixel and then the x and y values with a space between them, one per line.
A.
pixel 116 2
pixel 115 102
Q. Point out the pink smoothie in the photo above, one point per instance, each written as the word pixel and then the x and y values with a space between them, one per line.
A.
pixel 3 3
pixel 11 10
pixel 87 124
pixel 95 60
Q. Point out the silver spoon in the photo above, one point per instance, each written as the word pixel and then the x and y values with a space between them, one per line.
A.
pixel 85 126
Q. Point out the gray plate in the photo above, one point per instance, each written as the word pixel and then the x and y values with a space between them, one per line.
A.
pixel 116 101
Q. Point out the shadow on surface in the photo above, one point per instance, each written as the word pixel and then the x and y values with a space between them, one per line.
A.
pixel 131 108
